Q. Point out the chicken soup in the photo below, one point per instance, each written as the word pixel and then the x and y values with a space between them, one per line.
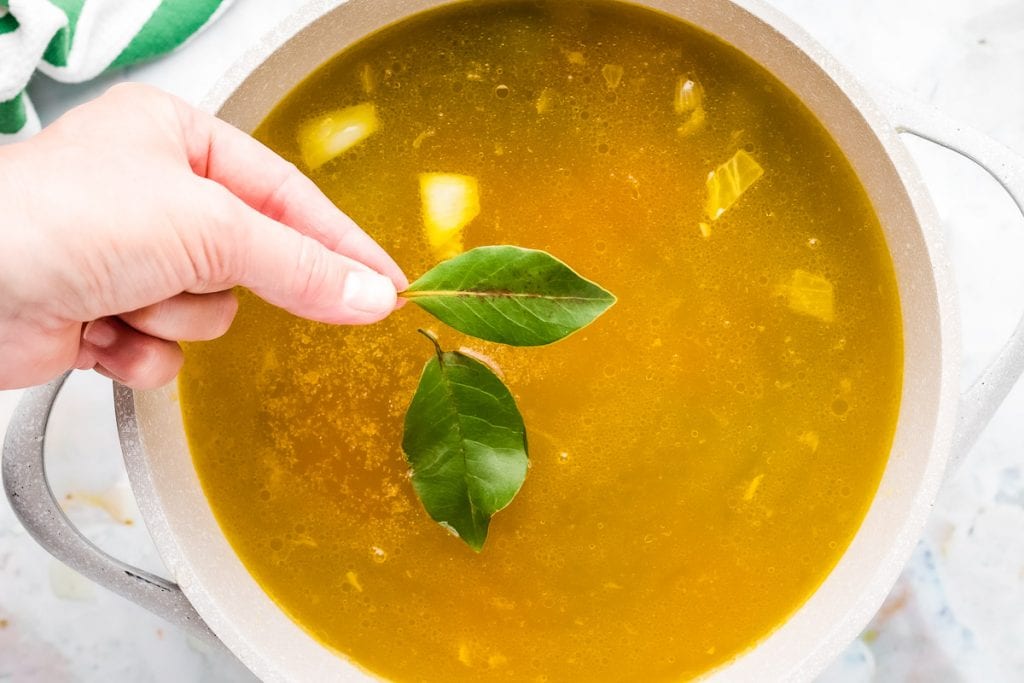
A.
pixel 700 457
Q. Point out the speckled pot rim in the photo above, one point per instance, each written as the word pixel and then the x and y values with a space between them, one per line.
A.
pixel 276 649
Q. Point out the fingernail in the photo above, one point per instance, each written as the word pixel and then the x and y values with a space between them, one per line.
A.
pixel 100 333
pixel 368 292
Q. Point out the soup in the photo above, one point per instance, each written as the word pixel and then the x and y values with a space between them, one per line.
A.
pixel 700 457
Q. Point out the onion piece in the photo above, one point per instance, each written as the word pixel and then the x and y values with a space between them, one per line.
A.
pixel 727 183
pixel 689 104
pixel 612 75
pixel 367 79
pixel 689 96
pixel 331 135
pixel 450 203
pixel 811 295
pixel 545 100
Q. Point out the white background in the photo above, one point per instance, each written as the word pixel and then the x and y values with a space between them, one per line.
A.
pixel 957 612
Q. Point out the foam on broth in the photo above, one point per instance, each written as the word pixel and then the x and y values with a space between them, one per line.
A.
pixel 700 457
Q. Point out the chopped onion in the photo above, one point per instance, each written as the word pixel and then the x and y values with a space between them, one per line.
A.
pixel 353 580
pixel 811 440
pixel 693 124
pixel 331 135
pixel 545 100
pixel 689 103
pixel 612 75
pixel 752 487
pixel 689 96
pixel 729 181
pixel 367 80
pixel 811 295
pixel 419 139
pixel 450 202
pixel 576 58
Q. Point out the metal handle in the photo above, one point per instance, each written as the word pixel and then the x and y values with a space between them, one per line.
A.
pixel 979 403
pixel 28 490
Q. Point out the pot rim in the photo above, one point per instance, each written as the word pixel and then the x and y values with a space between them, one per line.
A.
pixel 831 639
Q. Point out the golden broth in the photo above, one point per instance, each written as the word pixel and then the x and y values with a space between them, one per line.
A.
pixel 700 457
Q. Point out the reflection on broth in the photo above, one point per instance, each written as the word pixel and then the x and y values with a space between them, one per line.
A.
pixel 699 460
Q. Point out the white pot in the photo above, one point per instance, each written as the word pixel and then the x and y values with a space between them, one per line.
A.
pixel 215 594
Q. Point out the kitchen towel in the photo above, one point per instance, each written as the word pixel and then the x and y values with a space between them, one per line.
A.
pixel 75 40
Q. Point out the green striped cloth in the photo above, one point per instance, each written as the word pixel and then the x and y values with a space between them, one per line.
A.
pixel 75 40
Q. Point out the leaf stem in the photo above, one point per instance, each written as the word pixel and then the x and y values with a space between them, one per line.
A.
pixel 433 340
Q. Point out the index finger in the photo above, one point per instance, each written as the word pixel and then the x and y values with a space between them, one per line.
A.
pixel 277 189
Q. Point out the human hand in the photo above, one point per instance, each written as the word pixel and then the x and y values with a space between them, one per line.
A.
pixel 125 223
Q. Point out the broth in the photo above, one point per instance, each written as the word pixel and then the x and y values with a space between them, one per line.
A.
pixel 700 457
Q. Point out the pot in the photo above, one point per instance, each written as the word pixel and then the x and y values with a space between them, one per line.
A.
pixel 214 596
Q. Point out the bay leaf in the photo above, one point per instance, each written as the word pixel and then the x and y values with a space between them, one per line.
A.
pixel 465 442
pixel 509 295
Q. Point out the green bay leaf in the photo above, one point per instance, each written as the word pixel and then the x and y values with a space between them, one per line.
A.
pixel 510 295
pixel 466 443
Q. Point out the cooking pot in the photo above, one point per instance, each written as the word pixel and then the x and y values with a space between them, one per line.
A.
pixel 214 597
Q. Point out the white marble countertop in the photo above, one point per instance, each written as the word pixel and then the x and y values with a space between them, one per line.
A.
pixel 957 612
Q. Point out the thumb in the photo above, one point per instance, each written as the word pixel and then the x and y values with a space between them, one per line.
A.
pixel 286 268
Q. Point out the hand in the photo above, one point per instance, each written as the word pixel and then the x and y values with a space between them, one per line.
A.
pixel 124 225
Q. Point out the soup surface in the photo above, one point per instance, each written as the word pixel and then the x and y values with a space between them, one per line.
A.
pixel 700 456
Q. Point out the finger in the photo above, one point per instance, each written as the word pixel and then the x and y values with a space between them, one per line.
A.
pixel 133 358
pixel 277 189
pixel 232 244
pixel 186 317
pixel 100 370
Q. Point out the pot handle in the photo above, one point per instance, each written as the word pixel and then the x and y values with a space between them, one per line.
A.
pixel 979 403
pixel 29 492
